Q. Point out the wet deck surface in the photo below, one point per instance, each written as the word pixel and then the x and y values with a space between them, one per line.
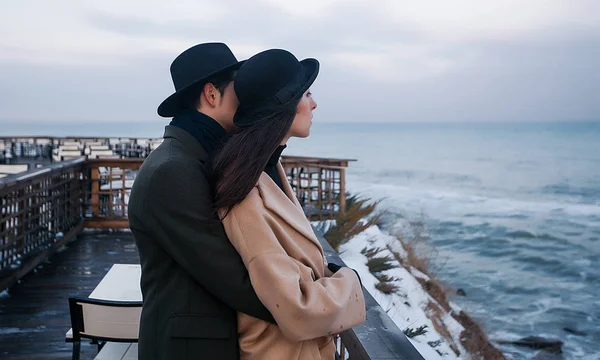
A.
pixel 34 315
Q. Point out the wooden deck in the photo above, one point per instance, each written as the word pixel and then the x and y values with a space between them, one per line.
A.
pixel 35 315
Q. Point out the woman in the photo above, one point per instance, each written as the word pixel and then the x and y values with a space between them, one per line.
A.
pixel 267 225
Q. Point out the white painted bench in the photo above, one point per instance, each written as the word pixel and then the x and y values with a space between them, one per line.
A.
pixel 118 351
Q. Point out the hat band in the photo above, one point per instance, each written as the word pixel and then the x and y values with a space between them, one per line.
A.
pixel 291 90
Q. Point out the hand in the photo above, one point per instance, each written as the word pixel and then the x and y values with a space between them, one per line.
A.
pixel 335 267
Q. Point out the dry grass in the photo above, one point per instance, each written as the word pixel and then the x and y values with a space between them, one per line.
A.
pixel 475 341
pixel 435 314
pixel 411 333
pixel 360 215
pixel 353 221
pixel 412 259
pixel 386 278
pixel 437 292
pixel 387 287
pixel 473 338
pixel 380 263
pixel 371 252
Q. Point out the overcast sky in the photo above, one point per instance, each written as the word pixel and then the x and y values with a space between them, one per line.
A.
pixel 384 61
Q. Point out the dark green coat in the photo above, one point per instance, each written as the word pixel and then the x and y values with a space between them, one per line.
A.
pixel 193 280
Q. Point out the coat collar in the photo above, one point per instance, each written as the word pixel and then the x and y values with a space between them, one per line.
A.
pixel 189 141
pixel 285 204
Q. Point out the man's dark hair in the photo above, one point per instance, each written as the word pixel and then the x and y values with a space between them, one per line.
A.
pixel 191 99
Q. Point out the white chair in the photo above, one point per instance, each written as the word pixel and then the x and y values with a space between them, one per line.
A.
pixel 13 168
pixel 113 324
pixel 96 154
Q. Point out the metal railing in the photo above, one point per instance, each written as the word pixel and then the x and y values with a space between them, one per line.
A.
pixel 45 208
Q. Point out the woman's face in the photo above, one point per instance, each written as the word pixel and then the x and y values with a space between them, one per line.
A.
pixel 303 120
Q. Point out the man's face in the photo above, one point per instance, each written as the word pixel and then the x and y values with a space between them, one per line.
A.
pixel 228 104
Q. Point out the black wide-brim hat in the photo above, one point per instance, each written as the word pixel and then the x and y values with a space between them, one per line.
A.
pixel 271 78
pixel 194 67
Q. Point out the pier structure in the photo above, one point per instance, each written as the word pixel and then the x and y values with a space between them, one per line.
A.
pixel 64 224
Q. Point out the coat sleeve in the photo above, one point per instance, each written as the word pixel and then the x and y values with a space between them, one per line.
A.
pixel 181 217
pixel 302 309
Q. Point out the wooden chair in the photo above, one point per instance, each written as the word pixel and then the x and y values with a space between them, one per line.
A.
pixel 114 325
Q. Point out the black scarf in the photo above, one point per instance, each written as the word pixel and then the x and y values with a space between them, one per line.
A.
pixel 271 168
pixel 209 133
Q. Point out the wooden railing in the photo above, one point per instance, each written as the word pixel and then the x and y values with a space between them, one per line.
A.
pixel 45 208
pixel 108 186
pixel 319 184
pixel 41 206
pixel 40 211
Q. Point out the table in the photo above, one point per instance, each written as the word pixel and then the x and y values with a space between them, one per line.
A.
pixel 121 283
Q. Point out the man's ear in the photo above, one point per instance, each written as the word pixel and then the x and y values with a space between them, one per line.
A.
pixel 211 94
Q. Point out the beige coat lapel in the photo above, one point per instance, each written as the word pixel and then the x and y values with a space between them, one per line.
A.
pixel 285 204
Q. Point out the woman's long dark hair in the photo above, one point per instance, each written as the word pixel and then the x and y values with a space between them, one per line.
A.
pixel 237 165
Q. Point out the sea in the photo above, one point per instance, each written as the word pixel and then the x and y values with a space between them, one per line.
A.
pixel 510 212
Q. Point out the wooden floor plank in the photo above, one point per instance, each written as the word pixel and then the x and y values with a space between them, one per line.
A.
pixel 34 316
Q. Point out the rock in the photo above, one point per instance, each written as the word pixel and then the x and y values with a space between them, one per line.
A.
pixel 545 355
pixel 461 292
pixel 575 331
pixel 536 342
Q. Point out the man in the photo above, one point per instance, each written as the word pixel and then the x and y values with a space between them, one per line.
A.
pixel 193 280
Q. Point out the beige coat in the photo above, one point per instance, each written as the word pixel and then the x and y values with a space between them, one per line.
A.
pixel 287 270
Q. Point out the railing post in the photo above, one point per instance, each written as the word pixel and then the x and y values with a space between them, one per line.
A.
pixel 20 239
pixel 3 232
pixel 320 206
pixel 123 192
pixel 95 174
pixel 343 191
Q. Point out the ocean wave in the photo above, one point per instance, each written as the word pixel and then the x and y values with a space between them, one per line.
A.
pixel 449 203
pixel 586 194
pixel 521 290
pixel 521 234
pixel 524 234
pixel 429 176
pixel 539 260
pixel 497 252
pixel 567 313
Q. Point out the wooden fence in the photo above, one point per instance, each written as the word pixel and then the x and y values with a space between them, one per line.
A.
pixel 39 208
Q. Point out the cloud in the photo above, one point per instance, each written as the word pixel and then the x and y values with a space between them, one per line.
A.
pixel 387 61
